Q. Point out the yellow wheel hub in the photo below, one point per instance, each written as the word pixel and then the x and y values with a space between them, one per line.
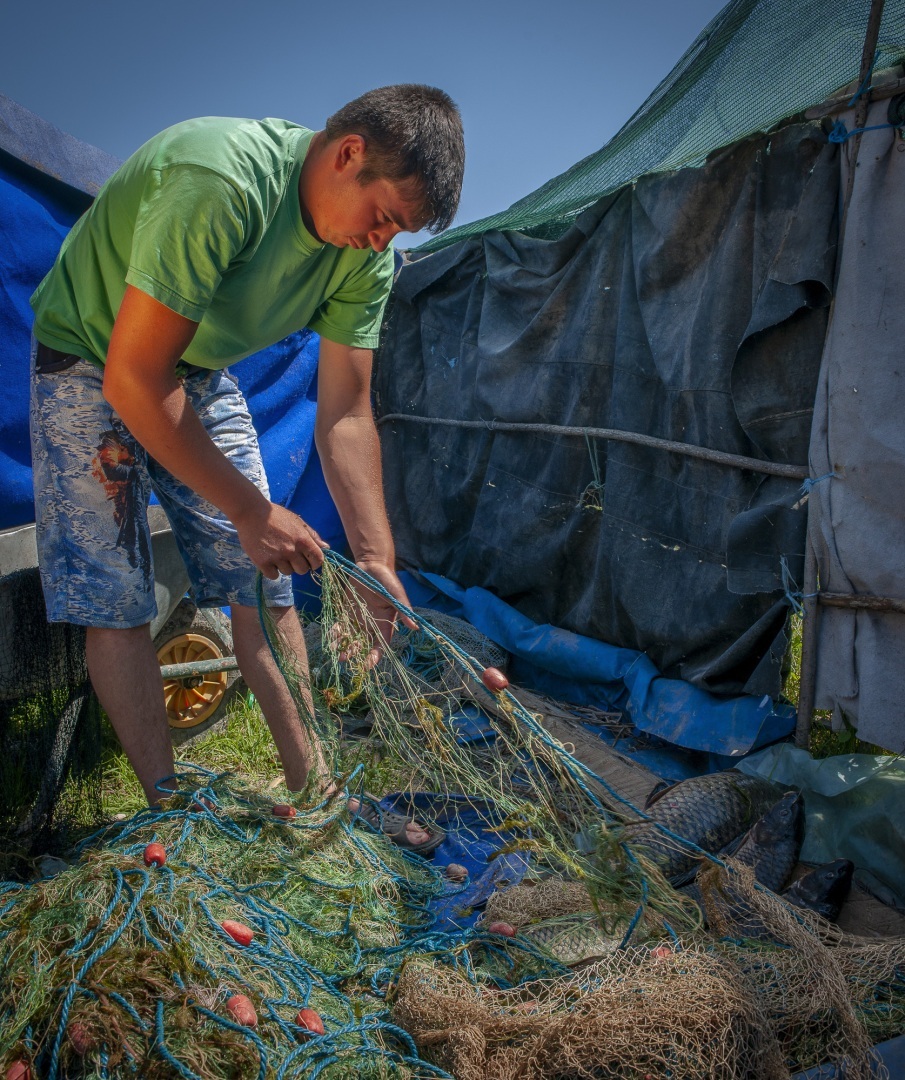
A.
pixel 191 701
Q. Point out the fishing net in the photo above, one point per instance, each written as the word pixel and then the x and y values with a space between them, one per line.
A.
pixel 415 673
pixel 706 1010
pixel 775 991
pixel 50 729
pixel 734 80
pixel 593 965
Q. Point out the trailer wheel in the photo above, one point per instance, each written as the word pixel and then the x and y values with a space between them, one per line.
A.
pixel 195 706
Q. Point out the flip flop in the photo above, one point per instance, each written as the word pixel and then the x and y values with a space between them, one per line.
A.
pixel 393 826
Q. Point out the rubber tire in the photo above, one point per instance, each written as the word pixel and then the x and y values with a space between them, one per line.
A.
pixel 212 624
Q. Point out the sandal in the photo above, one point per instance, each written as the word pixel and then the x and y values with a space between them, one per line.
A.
pixel 393 826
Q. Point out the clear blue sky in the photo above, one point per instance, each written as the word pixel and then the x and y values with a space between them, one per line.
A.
pixel 540 84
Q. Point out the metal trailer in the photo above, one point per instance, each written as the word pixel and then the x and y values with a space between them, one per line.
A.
pixel 194 645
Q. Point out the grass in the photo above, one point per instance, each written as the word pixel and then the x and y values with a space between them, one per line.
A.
pixel 243 746
pixel 824 741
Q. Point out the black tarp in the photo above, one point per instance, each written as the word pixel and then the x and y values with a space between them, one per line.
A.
pixel 689 306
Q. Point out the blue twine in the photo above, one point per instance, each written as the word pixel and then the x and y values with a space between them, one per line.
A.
pixel 841 134
pixel 864 83
pixel 790 587
pixel 811 482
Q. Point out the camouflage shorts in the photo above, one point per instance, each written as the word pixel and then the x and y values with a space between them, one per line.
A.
pixel 93 482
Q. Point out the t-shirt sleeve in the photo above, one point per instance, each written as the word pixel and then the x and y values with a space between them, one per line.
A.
pixel 352 315
pixel 190 226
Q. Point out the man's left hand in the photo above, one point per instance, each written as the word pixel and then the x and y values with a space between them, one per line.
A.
pixel 383 614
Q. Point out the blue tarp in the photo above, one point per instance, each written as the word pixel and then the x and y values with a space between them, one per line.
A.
pixel 579 669
pixel 33 222
pixel 472 840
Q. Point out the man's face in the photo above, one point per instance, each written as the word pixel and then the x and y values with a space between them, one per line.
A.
pixel 342 212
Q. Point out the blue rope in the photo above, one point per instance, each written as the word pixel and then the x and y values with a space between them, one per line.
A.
pixel 841 134
pixel 811 482
pixel 173 1062
pixel 864 87
pixel 790 586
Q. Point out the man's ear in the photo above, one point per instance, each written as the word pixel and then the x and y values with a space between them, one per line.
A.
pixel 350 152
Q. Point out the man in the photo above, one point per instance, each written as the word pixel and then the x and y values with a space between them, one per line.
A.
pixel 216 239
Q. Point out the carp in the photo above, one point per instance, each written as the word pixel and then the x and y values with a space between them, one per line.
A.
pixel 823 890
pixel 711 811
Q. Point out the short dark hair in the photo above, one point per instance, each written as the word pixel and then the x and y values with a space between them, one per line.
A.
pixel 412 133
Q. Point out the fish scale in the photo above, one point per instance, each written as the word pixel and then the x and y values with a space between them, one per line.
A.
pixel 711 811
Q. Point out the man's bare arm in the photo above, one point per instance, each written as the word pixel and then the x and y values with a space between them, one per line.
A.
pixel 140 383
pixel 349 450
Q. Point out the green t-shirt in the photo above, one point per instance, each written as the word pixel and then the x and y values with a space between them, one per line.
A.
pixel 205 218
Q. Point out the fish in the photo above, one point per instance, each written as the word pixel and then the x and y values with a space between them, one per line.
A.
pixel 711 811
pixel 771 845
pixel 823 890
pixel 770 849
pixel 573 940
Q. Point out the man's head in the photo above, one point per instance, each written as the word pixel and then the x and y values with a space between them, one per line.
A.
pixel 413 138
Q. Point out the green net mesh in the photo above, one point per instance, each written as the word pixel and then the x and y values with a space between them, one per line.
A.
pixel 225 935
pixel 756 63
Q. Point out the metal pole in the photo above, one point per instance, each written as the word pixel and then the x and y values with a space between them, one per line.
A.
pixel 199 667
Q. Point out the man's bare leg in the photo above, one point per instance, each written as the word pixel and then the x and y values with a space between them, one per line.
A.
pixel 125 675
pixel 298 753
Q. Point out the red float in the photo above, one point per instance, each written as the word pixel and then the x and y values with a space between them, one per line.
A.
pixel 503 928
pixel 19 1070
pixel 284 810
pixel 83 1042
pixel 494 679
pixel 238 931
pixel 311 1021
pixel 242 1011
pixel 155 855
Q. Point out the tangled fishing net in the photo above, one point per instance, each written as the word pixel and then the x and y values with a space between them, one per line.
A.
pixel 591 966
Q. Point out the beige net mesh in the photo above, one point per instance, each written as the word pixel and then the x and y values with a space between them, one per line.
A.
pixel 769 991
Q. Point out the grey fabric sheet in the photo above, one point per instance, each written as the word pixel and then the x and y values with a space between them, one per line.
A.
pixel 689 306
pixel 857 517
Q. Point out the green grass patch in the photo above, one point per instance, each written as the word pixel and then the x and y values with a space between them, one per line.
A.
pixel 824 741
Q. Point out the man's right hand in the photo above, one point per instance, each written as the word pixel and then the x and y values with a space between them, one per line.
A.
pixel 277 541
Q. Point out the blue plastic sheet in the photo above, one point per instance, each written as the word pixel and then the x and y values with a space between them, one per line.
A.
pixel 33 223
pixel 570 667
pixel 471 841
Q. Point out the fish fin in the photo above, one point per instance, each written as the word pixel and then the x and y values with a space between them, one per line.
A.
pixel 680 880
pixel 730 849
pixel 659 791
